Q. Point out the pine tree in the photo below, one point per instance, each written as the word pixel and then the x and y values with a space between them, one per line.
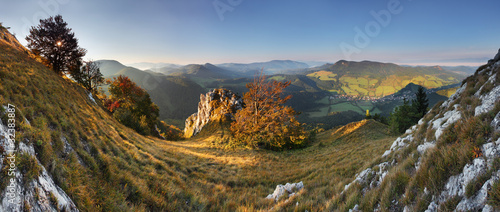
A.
pixel 420 103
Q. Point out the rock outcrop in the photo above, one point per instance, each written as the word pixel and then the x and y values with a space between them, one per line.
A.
pixel 217 105
pixel 478 96
pixel 280 190
pixel 24 194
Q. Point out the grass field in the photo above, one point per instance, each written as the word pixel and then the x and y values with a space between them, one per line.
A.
pixel 240 179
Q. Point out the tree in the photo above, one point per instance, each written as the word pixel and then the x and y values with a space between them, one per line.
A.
pixel 401 118
pixel 407 115
pixel 89 76
pixel 132 106
pixel 56 44
pixel 420 103
pixel 265 121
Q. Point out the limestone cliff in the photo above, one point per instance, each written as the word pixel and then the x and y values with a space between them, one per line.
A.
pixel 216 105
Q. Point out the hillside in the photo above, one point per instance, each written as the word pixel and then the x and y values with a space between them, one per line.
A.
pixel 97 164
pixel 449 161
pixel 376 79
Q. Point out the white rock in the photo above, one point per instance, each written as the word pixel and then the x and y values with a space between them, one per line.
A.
pixel 92 97
pixel 355 209
pixel 454 96
pixel 488 101
pixel 399 143
pixel 496 122
pixel 281 189
pixel 449 118
pixel 477 201
pixel 423 147
pixel 24 191
pixel 488 208
pixel 432 207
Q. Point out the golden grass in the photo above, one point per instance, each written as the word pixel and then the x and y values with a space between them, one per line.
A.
pixel 112 168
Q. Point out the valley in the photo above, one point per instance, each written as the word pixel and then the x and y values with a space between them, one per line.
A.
pixel 344 88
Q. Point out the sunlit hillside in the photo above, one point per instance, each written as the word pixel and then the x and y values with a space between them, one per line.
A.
pixel 375 79
pixel 103 165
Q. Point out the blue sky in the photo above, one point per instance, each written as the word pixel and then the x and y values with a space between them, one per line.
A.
pixel 191 31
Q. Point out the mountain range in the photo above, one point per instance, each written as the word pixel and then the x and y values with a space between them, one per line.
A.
pixel 310 87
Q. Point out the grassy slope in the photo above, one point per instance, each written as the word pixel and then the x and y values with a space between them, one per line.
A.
pixel 460 143
pixel 125 171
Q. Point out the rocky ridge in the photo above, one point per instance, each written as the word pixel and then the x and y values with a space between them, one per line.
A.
pixel 216 105
pixel 22 194
pixel 462 107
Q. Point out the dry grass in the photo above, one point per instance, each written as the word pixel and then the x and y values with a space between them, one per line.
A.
pixel 112 168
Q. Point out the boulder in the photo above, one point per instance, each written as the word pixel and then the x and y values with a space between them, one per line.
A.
pixel 216 105
pixel 290 188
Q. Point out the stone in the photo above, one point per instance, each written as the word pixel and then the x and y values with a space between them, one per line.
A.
pixel 216 105
pixel 290 188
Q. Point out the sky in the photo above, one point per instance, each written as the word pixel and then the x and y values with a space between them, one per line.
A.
pixel 414 32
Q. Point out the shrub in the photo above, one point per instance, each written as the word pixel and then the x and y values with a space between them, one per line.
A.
pixel 29 167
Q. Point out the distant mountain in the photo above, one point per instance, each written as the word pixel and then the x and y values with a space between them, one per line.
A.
pixel 206 71
pixel 176 96
pixel 271 67
pixel 464 70
pixel 376 79
pixel 153 66
pixel 110 67
pixel 314 63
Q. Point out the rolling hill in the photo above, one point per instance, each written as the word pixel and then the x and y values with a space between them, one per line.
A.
pixel 376 79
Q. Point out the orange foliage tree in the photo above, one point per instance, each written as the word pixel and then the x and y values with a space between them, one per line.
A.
pixel 265 121
pixel 132 106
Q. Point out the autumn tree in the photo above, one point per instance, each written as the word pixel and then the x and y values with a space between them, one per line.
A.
pixel 56 45
pixel 265 121
pixel 132 106
pixel 89 75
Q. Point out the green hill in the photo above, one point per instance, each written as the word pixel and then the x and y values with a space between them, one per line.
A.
pixel 375 79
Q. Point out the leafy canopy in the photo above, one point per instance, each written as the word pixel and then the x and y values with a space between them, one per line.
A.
pixel 265 121
pixel 132 106
pixel 56 44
